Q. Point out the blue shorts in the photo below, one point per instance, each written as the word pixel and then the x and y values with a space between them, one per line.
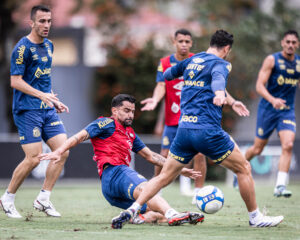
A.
pixel 168 136
pixel 35 125
pixel 214 143
pixel 268 120
pixel 118 184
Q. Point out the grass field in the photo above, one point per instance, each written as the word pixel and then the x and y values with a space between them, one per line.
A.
pixel 86 215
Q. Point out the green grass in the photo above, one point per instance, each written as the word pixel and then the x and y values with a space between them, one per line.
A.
pixel 86 215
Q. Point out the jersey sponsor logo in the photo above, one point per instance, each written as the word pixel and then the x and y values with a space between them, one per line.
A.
pixel 181 159
pixel 288 81
pixel 220 159
pixel 229 67
pixel 191 74
pixel 290 71
pixel 280 61
pixel 282 67
pixel 21 51
pixel 102 124
pixel 35 57
pixel 198 60
pixel 193 66
pixel 43 105
pixel 36 132
pixel 56 123
pixel 166 141
pixel 289 122
pixel 45 59
pixel 192 119
pixel 260 131
pixel 175 107
pixel 194 83
pixel 38 73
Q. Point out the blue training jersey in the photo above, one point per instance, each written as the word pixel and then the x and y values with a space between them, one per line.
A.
pixel 283 80
pixel 33 62
pixel 160 72
pixel 197 108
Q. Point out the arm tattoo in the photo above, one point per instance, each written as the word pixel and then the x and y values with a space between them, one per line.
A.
pixel 77 139
pixel 158 159
pixel 86 137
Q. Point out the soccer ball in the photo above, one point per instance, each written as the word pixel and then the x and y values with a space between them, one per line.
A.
pixel 209 199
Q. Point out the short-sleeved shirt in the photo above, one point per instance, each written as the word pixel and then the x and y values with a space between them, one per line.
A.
pixel 112 142
pixel 197 108
pixel 33 62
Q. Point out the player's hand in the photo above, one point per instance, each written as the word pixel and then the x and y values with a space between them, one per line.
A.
pixel 220 98
pixel 240 109
pixel 53 156
pixel 49 98
pixel 150 104
pixel 278 103
pixel 191 173
pixel 60 107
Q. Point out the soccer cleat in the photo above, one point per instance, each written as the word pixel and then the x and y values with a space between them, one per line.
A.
pixel 195 217
pixel 124 217
pixel 46 207
pixel 10 209
pixel 282 191
pixel 266 221
pixel 138 219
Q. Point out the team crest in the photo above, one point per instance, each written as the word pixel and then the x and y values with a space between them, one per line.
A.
pixel 191 74
pixel 260 131
pixel 198 60
pixel 32 49
pixel 166 141
pixel 35 57
pixel 131 135
pixel 175 108
pixel 280 80
pixel 36 132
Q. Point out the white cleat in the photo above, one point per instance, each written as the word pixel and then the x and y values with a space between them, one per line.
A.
pixel 266 221
pixel 10 209
pixel 46 207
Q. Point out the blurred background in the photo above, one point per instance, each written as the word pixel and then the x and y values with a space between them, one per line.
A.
pixel 106 47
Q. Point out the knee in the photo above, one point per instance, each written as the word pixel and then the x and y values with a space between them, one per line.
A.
pixel 288 146
pixel 257 150
pixel 33 161
pixel 244 168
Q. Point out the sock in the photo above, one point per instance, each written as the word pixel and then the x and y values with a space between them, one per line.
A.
pixel 170 212
pixel 281 178
pixel 8 197
pixel 135 207
pixel 185 184
pixel 254 216
pixel 196 189
pixel 44 195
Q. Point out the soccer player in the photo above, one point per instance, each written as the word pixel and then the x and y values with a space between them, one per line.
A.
pixel 202 97
pixel 171 90
pixel 280 72
pixel 35 109
pixel 113 140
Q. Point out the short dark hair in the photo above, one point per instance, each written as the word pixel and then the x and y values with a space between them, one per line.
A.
pixel 120 98
pixel 182 31
pixel 221 38
pixel 291 32
pixel 36 8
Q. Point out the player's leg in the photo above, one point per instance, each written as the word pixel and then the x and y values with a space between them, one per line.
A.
pixel 256 148
pixel 54 135
pixel 199 165
pixel 287 139
pixel 31 150
pixel 241 167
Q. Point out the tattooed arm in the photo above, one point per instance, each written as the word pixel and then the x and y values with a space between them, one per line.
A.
pixel 71 142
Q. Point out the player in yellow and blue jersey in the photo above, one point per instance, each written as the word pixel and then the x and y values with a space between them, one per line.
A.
pixel 202 97
pixel 35 109
pixel 280 72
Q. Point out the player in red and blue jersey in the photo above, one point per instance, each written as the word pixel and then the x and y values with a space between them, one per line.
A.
pixel 280 72
pixel 35 110
pixel 113 140
pixel 202 98
pixel 171 91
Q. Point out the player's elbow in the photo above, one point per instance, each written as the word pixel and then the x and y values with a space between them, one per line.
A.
pixel 14 81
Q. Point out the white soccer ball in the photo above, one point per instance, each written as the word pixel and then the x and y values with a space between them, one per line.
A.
pixel 209 199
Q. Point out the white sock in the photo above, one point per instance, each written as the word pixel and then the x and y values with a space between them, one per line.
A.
pixel 44 195
pixel 8 197
pixel 170 213
pixel 254 216
pixel 196 189
pixel 135 206
pixel 281 178
pixel 185 183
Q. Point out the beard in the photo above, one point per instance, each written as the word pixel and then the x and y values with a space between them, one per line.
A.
pixel 127 122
